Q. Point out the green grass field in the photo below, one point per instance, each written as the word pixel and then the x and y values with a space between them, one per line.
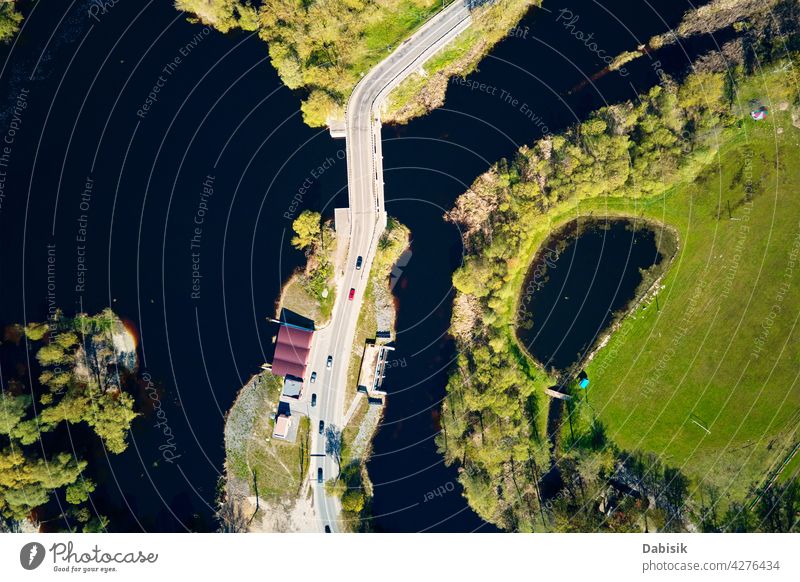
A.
pixel 279 467
pixel 722 349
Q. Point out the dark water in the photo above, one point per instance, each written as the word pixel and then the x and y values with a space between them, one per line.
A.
pixel 222 112
pixel 571 294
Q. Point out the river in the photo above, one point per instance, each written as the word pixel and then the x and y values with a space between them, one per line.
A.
pixel 164 162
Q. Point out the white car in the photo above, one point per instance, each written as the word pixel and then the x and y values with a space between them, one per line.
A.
pixel 329 363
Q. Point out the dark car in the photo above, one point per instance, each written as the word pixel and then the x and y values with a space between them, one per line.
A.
pixel 321 427
pixel 327 529
pixel 313 400
pixel 359 260
pixel 352 294
pixel 319 475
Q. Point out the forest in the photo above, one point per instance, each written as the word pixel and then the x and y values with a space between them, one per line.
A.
pixel 655 158
pixel 75 387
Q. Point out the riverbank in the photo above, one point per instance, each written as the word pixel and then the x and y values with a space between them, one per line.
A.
pixel 661 159
pixel 425 90
pixel 266 486
pixel 325 62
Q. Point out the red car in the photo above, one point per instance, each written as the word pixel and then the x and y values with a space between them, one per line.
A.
pixel 352 294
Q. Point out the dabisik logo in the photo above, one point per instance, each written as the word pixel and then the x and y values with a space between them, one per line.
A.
pixel 31 555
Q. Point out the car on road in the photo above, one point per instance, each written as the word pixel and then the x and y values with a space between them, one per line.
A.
pixel 359 261
pixel 327 529
pixel 321 426
pixel 319 475
pixel 313 377
pixel 313 400
pixel 352 294
pixel 329 363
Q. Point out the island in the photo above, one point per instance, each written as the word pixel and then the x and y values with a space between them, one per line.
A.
pixel 77 390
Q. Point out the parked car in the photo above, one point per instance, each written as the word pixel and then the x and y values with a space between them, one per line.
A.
pixel 329 363
pixel 321 426
pixel 359 261
pixel 327 529
pixel 319 475
pixel 313 400
pixel 313 377
pixel 352 294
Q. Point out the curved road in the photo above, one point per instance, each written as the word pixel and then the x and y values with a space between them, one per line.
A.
pixel 367 223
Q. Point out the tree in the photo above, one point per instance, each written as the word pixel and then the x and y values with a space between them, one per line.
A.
pixel 35 331
pixel 10 20
pixel 353 501
pixel 307 228
pixel 79 491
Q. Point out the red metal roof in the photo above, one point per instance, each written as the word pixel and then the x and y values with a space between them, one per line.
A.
pixel 292 351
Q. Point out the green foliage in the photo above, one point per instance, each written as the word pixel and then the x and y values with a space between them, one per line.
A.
pixel 76 387
pixel 36 331
pixel 324 47
pixel 27 479
pixel 10 21
pixel 307 229
pixel 223 15
pixel 79 491
pixel 494 425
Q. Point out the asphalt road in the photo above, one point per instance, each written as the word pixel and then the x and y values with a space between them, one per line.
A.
pixel 367 223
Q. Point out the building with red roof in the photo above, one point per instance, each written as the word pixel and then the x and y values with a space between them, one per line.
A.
pixel 292 351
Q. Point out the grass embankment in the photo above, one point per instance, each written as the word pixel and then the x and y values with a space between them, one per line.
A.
pixel 723 347
pixel 323 47
pixel 270 468
pixel 715 349
pixel 425 90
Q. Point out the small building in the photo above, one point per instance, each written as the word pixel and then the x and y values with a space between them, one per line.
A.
pixel 373 368
pixel 292 387
pixel 282 425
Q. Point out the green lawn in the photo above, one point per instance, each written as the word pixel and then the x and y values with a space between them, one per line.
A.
pixel 723 347
pixel 275 467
